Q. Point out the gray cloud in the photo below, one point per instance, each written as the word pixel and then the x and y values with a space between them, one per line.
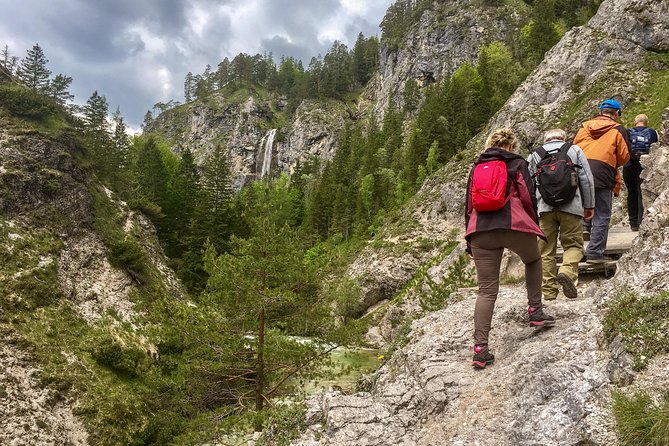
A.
pixel 137 53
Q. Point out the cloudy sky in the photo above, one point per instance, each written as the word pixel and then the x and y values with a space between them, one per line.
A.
pixel 137 52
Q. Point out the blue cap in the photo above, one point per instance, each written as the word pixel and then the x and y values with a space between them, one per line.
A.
pixel 611 103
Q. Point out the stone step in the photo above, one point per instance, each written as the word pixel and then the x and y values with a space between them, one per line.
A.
pixel 619 242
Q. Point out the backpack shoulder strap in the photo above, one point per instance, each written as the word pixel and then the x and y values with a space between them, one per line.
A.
pixel 565 147
pixel 540 151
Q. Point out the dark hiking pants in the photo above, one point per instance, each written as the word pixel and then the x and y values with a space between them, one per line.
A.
pixel 632 178
pixel 487 249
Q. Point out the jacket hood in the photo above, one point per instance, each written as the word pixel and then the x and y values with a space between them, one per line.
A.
pixel 599 126
pixel 495 153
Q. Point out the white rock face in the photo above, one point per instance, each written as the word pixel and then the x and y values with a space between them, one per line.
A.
pixel 592 62
pixel 545 387
pixel 30 413
pixel 447 35
pixel 51 239
pixel 243 129
pixel 313 133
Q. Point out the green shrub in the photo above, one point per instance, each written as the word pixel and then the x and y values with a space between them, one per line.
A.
pixel 641 322
pixel 122 359
pixel 439 294
pixel 37 288
pixel 129 255
pixel 146 207
pixel 26 103
pixel 283 425
pixel 640 421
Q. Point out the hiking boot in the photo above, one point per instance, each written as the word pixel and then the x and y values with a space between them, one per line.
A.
pixel 586 236
pixel 539 318
pixel 603 259
pixel 482 356
pixel 634 228
pixel 568 287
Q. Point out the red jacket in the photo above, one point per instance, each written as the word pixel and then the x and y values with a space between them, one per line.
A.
pixel 519 213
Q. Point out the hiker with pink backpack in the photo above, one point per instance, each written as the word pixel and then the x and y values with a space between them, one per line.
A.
pixel 500 212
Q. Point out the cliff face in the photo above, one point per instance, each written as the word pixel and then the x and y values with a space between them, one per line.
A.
pixel 254 131
pixel 550 388
pixel 58 288
pixel 447 35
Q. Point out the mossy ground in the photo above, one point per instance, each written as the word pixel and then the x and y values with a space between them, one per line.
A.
pixel 653 96
pixel 641 322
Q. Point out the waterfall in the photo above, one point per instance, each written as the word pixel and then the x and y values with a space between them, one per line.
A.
pixel 267 152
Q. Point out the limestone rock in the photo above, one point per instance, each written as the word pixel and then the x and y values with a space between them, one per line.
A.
pixel 243 128
pixel 447 35
pixel 545 388
pixel 32 414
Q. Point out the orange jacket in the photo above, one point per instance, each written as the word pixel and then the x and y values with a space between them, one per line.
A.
pixel 605 144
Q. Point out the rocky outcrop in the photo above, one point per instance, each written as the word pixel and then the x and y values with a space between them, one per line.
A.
pixel 602 59
pixel 47 196
pixel 31 413
pixel 447 35
pixel 545 387
pixel 54 245
pixel 243 126
pixel 312 133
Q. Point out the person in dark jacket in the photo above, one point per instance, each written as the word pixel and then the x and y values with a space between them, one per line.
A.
pixel 515 226
pixel 641 138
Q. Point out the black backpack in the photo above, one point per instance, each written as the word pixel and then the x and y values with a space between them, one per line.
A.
pixel 556 176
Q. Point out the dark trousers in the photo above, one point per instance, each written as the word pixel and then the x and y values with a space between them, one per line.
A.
pixel 632 178
pixel 599 225
pixel 487 249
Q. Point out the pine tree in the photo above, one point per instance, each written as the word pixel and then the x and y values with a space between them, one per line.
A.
pixel 150 172
pixel 223 73
pixel 59 89
pixel 148 120
pixel 267 292
pixel 541 33
pixel 216 178
pixel 120 139
pixel 33 72
pixel 432 163
pixel 98 136
pixel 213 210
pixel 411 97
pixel 95 114
pixel 8 61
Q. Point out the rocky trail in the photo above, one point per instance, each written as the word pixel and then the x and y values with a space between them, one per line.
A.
pixel 542 390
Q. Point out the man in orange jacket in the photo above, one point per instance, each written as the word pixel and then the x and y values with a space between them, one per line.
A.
pixel 605 144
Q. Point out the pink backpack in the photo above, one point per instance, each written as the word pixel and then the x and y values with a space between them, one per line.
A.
pixel 489 183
